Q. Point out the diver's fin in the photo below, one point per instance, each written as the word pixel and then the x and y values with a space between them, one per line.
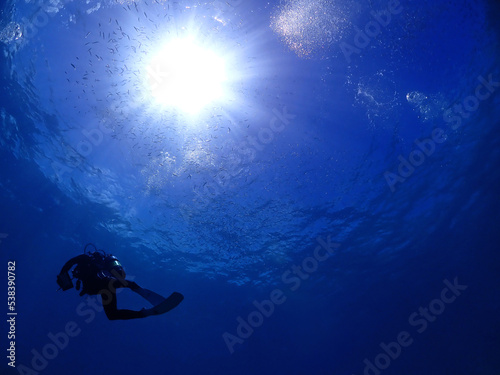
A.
pixel 168 304
pixel 152 297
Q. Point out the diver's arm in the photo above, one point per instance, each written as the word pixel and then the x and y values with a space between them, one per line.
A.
pixel 70 263
pixel 63 279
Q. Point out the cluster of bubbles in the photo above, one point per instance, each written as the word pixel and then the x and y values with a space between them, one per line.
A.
pixel 10 33
pixel 428 107
pixel 378 96
pixel 158 172
pixel 377 91
pixel 415 97
pixel 309 27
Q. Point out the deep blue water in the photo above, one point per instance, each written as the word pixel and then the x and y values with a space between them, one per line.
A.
pixel 379 151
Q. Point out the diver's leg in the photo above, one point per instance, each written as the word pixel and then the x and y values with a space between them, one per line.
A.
pixel 111 309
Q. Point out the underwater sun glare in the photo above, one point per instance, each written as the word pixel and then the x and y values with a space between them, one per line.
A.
pixel 186 76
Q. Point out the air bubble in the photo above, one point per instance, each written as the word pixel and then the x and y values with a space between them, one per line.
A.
pixel 309 27
pixel 10 33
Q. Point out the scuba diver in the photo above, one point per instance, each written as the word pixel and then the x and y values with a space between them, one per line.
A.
pixel 102 274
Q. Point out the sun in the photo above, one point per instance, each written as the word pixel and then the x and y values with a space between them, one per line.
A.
pixel 186 76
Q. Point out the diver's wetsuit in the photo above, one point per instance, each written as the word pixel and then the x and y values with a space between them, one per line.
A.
pixel 98 280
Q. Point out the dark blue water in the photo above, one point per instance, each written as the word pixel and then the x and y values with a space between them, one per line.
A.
pixel 337 212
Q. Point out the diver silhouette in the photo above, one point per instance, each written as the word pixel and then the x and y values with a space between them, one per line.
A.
pixel 101 274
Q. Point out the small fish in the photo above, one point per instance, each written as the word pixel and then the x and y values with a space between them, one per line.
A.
pixel 87 34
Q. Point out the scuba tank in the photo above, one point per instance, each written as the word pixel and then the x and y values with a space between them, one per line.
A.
pixel 101 265
pixel 113 265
